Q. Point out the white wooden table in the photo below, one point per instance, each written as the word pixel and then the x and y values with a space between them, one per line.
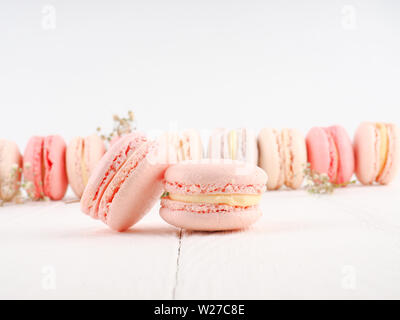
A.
pixel 346 245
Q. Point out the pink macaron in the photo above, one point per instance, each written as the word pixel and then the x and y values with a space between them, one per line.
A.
pixel 10 169
pixel 126 183
pixel 377 152
pixel 330 152
pixel 213 195
pixel 83 154
pixel 283 156
pixel 44 171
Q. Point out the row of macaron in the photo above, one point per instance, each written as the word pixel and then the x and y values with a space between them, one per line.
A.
pixel 223 192
pixel 286 155
pixel 49 165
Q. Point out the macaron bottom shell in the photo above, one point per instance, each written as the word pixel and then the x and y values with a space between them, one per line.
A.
pixel 192 219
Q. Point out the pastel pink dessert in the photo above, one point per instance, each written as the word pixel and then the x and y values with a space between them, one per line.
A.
pixel 377 152
pixel 213 195
pixel 125 184
pixel 10 169
pixel 330 151
pixel 83 154
pixel 283 156
pixel 44 168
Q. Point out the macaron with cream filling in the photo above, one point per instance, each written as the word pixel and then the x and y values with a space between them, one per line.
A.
pixel 213 195
pixel 126 183
pixel 283 156
pixel 330 152
pixel 377 152
pixel 45 174
pixel 181 146
pixel 238 144
pixel 83 154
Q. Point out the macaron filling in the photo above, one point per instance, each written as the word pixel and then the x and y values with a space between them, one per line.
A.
pixel 333 157
pixel 84 167
pixel 203 208
pixel 183 149
pixel 235 200
pixel 287 158
pixel 233 144
pixel 382 131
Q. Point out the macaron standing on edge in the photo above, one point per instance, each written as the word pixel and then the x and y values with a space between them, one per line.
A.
pixel 10 169
pixel 377 152
pixel 181 146
pixel 283 156
pixel 44 169
pixel 126 183
pixel 239 144
pixel 213 195
pixel 330 152
pixel 82 156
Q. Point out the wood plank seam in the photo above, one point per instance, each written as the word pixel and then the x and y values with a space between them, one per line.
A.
pixel 177 265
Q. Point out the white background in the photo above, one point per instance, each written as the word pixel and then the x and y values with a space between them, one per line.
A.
pixel 202 64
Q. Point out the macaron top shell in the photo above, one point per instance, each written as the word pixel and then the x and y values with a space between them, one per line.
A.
pixel 215 177
pixel 10 165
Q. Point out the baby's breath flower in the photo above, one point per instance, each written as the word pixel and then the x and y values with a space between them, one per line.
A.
pixel 121 126
pixel 19 199
pixel 317 183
